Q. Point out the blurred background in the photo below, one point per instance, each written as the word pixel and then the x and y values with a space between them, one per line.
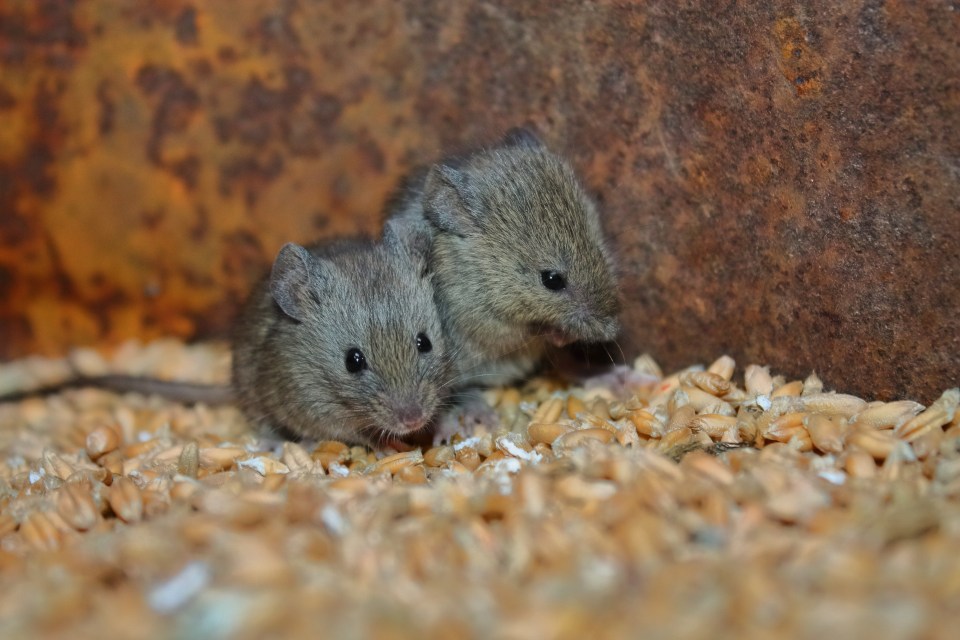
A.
pixel 781 180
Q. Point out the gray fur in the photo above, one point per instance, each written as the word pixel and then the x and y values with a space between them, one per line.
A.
pixel 291 341
pixel 499 218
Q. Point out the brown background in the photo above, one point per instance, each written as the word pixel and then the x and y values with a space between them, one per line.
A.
pixel 781 179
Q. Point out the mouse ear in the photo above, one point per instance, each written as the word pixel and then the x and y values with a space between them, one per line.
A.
pixel 410 235
pixel 449 201
pixel 290 280
pixel 522 137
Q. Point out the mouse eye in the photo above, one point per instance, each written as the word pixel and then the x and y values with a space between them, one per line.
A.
pixel 553 280
pixel 423 343
pixel 355 362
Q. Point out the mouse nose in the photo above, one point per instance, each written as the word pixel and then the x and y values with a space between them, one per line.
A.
pixel 410 415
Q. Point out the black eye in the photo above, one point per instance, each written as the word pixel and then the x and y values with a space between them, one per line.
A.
pixel 355 361
pixel 423 343
pixel 553 280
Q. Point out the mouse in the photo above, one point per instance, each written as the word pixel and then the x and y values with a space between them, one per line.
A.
pixel 520 260
pixel 343 341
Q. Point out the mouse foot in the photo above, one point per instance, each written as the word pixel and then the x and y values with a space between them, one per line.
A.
pixel 470 415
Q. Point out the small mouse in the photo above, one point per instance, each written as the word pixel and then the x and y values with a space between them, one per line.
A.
pixel 341 341
pixel 519 257
pixel 344 341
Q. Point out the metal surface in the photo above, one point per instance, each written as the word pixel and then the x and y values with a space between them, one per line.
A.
pixel 782 179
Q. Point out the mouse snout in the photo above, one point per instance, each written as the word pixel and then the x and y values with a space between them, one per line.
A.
pixel 589 326
pixel 409 415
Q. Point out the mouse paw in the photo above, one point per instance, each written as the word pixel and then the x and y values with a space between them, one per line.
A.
pixel 470 416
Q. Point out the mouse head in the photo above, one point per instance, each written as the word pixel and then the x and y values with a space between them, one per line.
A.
pixel 362 339
pixel 526 241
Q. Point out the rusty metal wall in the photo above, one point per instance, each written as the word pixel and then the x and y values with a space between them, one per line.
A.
pixel 781 178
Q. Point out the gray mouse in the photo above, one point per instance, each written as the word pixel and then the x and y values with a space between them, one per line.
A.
pixel 341 341
pixel 519 257
pixel 344 341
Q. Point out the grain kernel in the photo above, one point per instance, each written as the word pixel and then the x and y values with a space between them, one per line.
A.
pixel 546 433
pixel 298 460
pixel 825 433
pixel 414 474
pixel 757 380
pixel 786 427
pixel 834 404
pixel 712 424
pixel 548 412
pixel 938 414
pixel 126 500
pixel 220 458
pixel 723 366
pixel 102 440
pixel 438 456
pixel 645 422
pixel 711 383
pixel 887 415
pixel 394 463
pixel 790 389
pixel 188 463
pixel 468 457
pixel 574 406
pixel 878 444
pixel 76 507
pixel 860 464
pixel 39 531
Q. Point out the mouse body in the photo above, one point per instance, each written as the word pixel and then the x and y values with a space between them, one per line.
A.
pixel 343 341
pixel 519 257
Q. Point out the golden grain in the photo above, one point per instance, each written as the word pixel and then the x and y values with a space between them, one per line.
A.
pixel 574 406
pixel 220 458
pixel 708 466
pixel 938 414
pixel 55 465
pixel 298 460
pixel 39 531
pixel 546 433
pixel 713 425
pixel 468 457
pixel 126 500
pixel 878 444
pixel 76 506
pixel 757 380
pixel 785 427
pixel 833 404
pixel 188 463
pixel 438 456
pixel 645 423
pixel 102 440
pixel 723 366
pixel 394 463
pixel 573 439
pixel 711 383
pixel 548 412
pixel 789 389
pixel 680 418
pixel 826 433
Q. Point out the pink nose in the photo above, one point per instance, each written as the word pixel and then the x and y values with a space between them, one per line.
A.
pixel 410 416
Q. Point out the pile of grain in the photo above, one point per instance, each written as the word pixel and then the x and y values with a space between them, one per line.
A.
pixel 685 506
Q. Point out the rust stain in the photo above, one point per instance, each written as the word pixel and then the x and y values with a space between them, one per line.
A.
pixel 800 64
